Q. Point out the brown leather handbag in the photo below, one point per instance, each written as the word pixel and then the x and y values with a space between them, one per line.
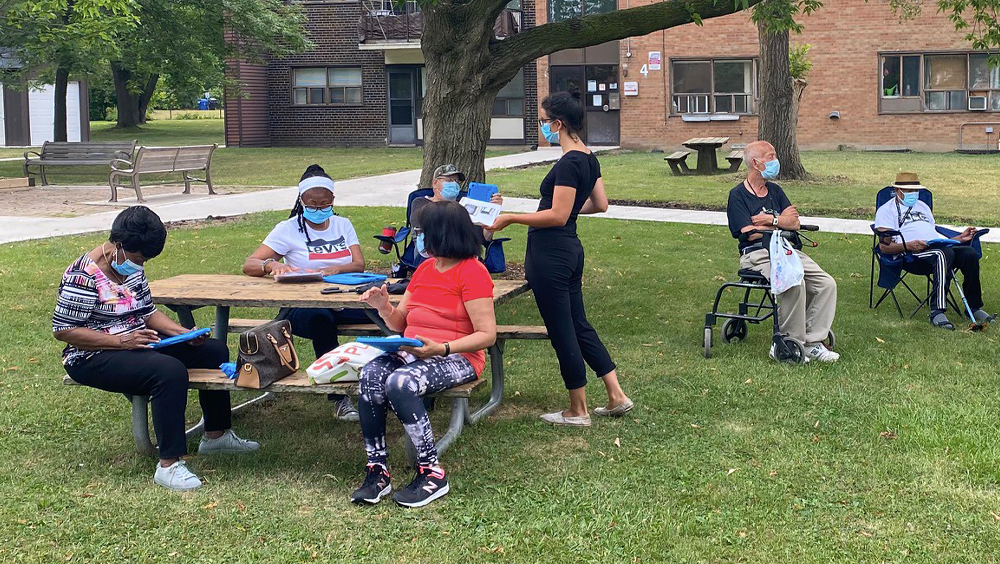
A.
pixel 266 355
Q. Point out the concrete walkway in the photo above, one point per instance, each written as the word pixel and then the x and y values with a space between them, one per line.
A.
pixel 384 190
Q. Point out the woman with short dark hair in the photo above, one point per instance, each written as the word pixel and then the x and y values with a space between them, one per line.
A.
pixel 106 317
pixel 448 305
pixel 313 238
pixel 554 260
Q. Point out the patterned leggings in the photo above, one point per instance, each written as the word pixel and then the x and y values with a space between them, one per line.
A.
pixel 389 380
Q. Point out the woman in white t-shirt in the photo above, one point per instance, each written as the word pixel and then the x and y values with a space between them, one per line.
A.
pixel 314 239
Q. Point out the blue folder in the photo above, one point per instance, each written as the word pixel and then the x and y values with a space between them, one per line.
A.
pixel 354 278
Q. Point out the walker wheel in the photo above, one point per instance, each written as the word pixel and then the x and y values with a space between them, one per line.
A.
pixel 791 351
pixel 734 331
pixel 708 342
pixel 831 340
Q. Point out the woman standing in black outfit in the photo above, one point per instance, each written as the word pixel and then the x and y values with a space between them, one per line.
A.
pixel 554 260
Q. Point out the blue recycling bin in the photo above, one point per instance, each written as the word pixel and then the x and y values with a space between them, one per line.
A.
pixel 202 104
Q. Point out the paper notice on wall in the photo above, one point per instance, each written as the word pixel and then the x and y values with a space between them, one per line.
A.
pixel 591 86
pixel 654 60
pixel 631 88
pixel 598 101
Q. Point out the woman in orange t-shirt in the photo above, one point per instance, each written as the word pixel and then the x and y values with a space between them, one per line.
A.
pixel 448 305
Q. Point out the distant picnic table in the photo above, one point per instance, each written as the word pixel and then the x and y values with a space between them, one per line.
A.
pixel 706 147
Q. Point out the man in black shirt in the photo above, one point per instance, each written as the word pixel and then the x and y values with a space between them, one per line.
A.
pixel 806 311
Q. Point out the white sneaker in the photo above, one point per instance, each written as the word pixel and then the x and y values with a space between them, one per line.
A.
pixel 228 443
pixel 559 419
pixel 176 477
pixel 344 410
pixel 775 358
pixel 819 352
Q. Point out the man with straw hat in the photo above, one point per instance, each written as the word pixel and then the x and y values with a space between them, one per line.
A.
pixel 932 253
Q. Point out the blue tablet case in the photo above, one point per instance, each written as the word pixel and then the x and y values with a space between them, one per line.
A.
pixel 354 278
pixel 942 242
pixel 182 338
pixel 389 344
pixel 482 192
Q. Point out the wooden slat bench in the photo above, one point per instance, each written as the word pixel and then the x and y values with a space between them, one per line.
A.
pixel 161 160
pixel 678 162
pixel 735 160
pixel 74 154
pixel 505 332
pixel 203 379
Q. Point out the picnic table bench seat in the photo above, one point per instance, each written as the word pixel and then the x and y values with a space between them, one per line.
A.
pixel 735 159
pixel 207 379
pixel 505 332
pixel 162 160
pixel 63 153
pixel 678 162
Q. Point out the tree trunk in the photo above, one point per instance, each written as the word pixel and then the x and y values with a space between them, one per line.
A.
pixel 132 105
pixel 778 107
pixel 59 114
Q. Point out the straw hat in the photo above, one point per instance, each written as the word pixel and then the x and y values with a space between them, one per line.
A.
pixel 907 181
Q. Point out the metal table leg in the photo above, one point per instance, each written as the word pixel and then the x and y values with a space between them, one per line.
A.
pixel 496 392
pixel 140 425
pixel 377 320
pixel 459 407
pixel 221 323
pixel 185 315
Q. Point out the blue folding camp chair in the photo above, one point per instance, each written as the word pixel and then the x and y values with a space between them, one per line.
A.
pixel 404 242
pixel 891 271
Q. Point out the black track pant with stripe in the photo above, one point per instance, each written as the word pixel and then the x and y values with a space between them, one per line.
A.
pixel 940 262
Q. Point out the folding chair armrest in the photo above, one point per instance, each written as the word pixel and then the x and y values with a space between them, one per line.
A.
pixel 949 233
pixel 384 238
pixel 979 234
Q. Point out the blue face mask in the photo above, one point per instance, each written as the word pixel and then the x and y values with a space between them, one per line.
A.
pixel 420 245
pixel 771 169
pixel 450 190
pixel 910 199
pixel 317 216
pixel 127 268
pixel 549 135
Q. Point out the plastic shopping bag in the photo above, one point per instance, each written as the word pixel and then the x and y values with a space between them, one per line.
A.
pixel 342 364
pixel 786 266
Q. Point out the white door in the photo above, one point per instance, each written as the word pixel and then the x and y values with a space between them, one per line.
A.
pixel 41 109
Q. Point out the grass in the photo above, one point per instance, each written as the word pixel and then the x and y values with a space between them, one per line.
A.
pixel 966 187
pixel 278 166
pixel 888 456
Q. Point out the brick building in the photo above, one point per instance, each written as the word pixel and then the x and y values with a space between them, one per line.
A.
pixel 875 81
pixel 363 83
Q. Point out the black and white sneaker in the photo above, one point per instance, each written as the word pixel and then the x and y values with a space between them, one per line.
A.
pixel 428 485
pixel 375 487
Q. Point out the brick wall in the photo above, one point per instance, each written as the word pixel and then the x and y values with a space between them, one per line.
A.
pixel 846 37
pixel 333 29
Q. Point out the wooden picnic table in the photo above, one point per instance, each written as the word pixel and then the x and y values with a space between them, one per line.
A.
pixel 187 292
pixel 706 146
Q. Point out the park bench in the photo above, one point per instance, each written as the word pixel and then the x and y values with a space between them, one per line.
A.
pixel 203 379
pixel 735 160
pixel 74 154
pixel 678 162
pixel 162 160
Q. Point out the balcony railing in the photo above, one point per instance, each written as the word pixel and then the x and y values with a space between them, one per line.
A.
pixel 403 22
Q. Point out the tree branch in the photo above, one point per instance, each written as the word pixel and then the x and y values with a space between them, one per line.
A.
pixel 515 52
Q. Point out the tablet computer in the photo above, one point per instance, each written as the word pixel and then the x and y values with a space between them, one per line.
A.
pixel 354 278
pixel 942 242
pixel 389 344
pixel 297 277
pixel 182 338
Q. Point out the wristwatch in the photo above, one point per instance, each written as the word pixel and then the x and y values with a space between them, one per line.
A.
pixel 447 349
pixel 263 264
pixel 775 222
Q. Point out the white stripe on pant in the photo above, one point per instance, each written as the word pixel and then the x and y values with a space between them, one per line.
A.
pixel 806 311
pixel 938 300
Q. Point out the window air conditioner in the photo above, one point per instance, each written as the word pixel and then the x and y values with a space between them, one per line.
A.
pixel 977 103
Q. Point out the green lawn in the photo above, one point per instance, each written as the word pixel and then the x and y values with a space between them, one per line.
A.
pixel 966 187
pixel 729 459
pixel 279 166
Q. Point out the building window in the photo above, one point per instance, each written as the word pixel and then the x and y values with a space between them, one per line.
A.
pixel 510 99
pixel 560 10
pixel 947 82
pixel 717 86
pixel 336 86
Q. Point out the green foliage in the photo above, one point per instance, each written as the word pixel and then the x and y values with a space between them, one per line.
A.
pixel 798 60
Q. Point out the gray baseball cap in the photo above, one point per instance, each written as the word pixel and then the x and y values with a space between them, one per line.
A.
pixel 449 170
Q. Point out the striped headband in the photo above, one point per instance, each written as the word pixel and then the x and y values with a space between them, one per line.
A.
pixel 315 182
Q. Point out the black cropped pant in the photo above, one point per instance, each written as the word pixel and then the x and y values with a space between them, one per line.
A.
pixel 554 269
pixel 161 375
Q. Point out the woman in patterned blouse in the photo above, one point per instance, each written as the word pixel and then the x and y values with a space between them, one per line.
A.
pixel 106 317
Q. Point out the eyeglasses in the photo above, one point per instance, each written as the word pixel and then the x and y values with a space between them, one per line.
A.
pixel 314 209
pixel 543 121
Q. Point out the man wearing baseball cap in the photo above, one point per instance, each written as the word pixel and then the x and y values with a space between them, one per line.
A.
pixel 446 184
pixel 913 219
